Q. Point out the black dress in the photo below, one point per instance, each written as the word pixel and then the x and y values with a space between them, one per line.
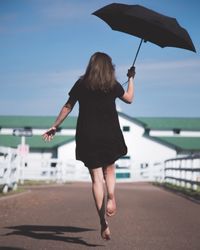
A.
pixel 99 139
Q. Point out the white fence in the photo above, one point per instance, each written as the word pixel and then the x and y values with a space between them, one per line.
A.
pixel 15 168
pixel 54 170
pixel 63 171
pixel 9 174
pixel 147 172
pixel 184 172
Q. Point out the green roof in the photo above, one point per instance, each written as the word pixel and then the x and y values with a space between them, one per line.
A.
pixel 165 123
pixel 35 142
pixel 170 123
pixel 180 144
pixel 42 122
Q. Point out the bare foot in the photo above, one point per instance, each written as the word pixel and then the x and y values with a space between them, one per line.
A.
pixel 111 207
pixel 105 231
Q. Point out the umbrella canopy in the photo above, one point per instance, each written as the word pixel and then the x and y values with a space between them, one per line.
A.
pixel 146 24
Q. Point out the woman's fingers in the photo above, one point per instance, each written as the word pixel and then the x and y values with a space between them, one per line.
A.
pixel 50 137
pixel 131 72
pixel 49 134
pixel 47 137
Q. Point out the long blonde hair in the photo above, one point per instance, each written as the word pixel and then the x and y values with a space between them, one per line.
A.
pixel 100 73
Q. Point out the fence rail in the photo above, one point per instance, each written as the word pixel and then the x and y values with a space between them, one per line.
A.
pixel 8 169
pixel 183 171
pixel 12 172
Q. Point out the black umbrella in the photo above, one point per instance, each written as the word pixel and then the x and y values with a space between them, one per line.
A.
pixel 146 24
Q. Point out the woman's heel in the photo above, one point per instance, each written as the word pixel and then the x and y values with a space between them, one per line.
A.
pixel 105 231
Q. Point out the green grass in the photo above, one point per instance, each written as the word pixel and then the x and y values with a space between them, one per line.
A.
pixel 195 194
pixel 17 191
pixel 23 187
pixel 36 183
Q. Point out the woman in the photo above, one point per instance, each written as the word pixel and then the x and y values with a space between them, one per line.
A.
pixel 99 140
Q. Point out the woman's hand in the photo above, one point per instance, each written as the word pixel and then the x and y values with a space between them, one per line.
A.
pixel 131 72
pixel 49 134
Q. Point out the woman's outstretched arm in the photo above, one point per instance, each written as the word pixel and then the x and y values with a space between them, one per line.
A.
pixel 64 112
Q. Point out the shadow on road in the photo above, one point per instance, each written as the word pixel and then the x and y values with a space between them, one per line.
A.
pixel 43 232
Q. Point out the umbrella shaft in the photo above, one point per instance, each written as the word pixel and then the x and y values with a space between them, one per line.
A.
pixel 135 58
pixel 137 51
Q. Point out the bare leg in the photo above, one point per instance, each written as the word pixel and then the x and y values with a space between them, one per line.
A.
pixel 99 198
pixel 109 175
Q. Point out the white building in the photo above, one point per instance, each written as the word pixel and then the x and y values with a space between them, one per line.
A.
pixel 150 141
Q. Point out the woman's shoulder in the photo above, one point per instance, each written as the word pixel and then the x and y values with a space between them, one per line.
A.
pixel 79 83
pixel 76 87
pixel 117 85
pixel 118 89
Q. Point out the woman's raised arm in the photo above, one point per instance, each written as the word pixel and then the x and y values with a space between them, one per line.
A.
pixel 129 93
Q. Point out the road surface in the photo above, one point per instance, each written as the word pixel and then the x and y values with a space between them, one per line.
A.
pixel 61 217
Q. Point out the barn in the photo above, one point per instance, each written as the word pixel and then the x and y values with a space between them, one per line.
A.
pixel 150 141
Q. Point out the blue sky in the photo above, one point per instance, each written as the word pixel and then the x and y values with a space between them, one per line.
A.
pixel 45 46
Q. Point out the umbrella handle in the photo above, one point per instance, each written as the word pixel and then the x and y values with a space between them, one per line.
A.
pixel 138 51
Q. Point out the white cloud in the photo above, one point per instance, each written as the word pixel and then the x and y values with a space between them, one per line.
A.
pixel 63 10
pixel 154 72
pixel 43 13
pixel 165 72
pixel 156 82
pixel 36 83
pixel 179 64
pixel 36 93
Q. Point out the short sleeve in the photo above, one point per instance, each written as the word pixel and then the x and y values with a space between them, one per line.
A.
pixel 75 90
pixel 73 95
pixel 119 91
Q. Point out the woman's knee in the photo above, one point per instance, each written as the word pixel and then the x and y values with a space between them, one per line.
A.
pixel 97 175
pixel 109 170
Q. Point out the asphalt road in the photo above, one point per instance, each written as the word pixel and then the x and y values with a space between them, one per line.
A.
pixel 64 217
